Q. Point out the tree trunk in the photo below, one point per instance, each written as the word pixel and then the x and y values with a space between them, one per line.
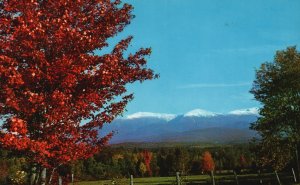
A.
pixel 72 178
pixel 213 177
pixel 51 176
pixel 277 178
pixel 37 178
pixel 59 180
pixel 32 178
pixel 43 176
pixel 33 175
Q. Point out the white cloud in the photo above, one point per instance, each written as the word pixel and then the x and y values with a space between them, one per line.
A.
pixel 253 110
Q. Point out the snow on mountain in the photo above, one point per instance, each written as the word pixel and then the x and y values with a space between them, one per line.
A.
pixel 196 125
pixel 249 111
pixel 167 117
pixel 192 113
pixel 199 113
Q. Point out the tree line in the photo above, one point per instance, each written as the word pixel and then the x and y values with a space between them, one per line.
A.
pixel 122 162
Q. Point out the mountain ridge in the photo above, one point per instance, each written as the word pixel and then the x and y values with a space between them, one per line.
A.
pixel 160 127
pixel 193 113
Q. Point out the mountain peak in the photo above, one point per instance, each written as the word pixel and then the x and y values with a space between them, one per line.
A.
pixel 164 116
pixel 199 113
pixel 249 111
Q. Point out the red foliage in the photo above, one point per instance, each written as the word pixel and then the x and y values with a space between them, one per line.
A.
pixel 51 80
pixel 207 162
pixel 243 161
pixel 147 159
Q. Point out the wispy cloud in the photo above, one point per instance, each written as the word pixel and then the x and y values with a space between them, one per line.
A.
pixel 212 85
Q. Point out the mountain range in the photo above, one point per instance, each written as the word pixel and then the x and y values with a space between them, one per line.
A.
pixel 195 126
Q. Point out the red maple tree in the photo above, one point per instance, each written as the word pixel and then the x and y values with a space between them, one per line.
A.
pixel 51 80
pixel 208 164
pixel 147 156
pixel 243 161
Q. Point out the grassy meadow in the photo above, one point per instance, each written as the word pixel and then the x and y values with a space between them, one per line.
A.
pixel 245 179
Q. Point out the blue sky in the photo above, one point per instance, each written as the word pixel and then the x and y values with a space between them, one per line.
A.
pixel 206 51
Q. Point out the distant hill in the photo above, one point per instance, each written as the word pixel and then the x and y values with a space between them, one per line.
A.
pixel 217 135
pixel 195 126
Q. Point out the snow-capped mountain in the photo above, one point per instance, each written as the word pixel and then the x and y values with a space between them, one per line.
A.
pixel 161 127
pixel 163 116
pixel 199 113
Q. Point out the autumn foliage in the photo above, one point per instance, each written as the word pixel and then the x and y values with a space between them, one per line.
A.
pixel 207 162
pixel 147 156
pixel 51 80
pixel 243 161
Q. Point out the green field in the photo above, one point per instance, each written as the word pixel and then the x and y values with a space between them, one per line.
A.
pixel 247 179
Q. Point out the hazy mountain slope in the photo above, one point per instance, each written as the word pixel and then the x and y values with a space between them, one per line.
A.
pixel 211 135
pixel 196 125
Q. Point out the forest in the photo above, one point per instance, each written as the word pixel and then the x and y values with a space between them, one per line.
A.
pixel 121 162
